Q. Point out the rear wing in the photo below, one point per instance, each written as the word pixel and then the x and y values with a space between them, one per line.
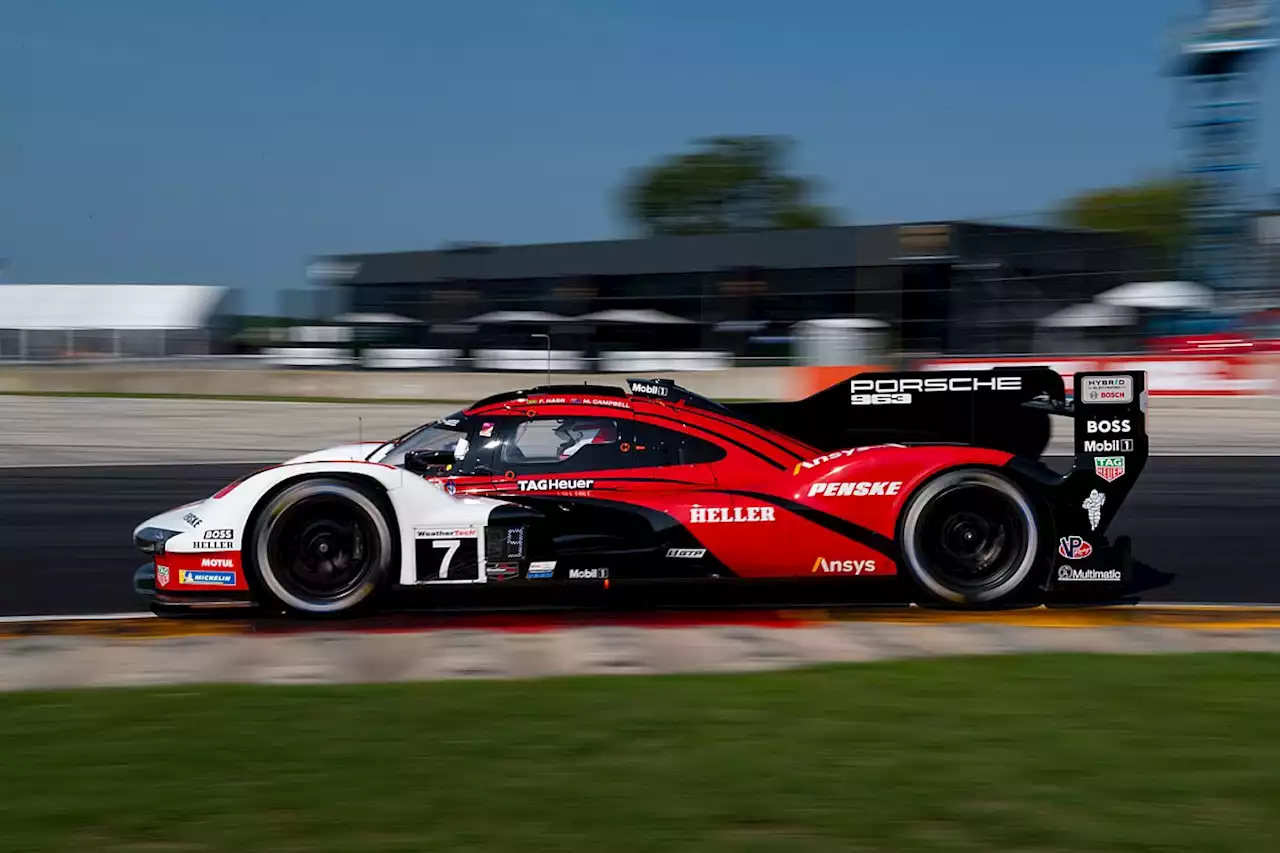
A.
pixel 1111 445
pixel 1006 409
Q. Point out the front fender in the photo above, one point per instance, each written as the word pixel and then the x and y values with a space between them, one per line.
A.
pixel 206 540
pixel 201 524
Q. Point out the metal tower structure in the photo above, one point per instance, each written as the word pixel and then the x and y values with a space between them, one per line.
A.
pixel 1219 63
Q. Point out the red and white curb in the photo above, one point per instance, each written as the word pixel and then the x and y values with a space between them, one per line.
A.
pixel 56 661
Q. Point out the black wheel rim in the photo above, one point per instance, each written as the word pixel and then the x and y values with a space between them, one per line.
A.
pixel 322 547
pixel 972 537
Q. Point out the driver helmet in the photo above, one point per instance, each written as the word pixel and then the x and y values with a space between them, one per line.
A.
pixel 578 433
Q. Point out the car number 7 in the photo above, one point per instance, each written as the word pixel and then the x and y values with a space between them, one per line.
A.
pixel 452 548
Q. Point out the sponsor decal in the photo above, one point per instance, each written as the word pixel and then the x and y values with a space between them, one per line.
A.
pixel 162 575
pixel 1071 573
pixel 541 570
pixel 197 577
pixel 879 392
pixel 845 567
pixel 1110 445
pixel 1116 425
pixel 1106 389
pixel 546 485
pixel 1093 505
pixel 814 463
pixel 446 532
pixel 1074 548
pixel 217 563
pixel 451 487
pixel 861 488
pixel 588 574
pixel 501 571
pixel 210 545
pixel 729 514
pixel 486 430
pixel 224 534
pixel 686 553
pixel 1109 468
pixel 649 390
pixel 451 422
pixel 192 519
pixel 839 454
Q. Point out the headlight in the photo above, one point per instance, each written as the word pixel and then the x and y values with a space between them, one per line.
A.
pixel 150 540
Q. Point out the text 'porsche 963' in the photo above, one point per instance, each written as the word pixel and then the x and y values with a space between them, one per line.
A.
pixel 932 479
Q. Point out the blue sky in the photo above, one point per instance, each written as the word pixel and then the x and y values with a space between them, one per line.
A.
pixel 226 142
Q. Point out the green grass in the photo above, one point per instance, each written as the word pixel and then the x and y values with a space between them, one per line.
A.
pixel 1031 754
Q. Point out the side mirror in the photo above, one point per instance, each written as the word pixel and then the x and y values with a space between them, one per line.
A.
pixel 428 462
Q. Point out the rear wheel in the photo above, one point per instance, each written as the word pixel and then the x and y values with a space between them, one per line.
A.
pixel 970 537
pixel 322 547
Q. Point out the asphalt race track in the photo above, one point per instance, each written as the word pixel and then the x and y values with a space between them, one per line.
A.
pixel 66 549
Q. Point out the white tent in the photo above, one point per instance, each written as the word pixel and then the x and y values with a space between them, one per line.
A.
pixel 841 323
pixel 375 319
pixel 122 307
pixel 1090 315
pixel 1160 295
pixel 841 340
pixel 643 316
pixel 518 317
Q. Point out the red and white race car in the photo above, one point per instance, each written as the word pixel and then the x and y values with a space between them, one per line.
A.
pixel 932 478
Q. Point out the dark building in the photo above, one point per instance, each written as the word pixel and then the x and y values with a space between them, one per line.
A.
pixel 956 287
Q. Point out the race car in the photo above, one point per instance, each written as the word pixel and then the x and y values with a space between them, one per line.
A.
pixel 932 478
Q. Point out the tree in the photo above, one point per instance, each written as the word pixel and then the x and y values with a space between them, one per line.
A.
pixel 728 183
pixel 1155 211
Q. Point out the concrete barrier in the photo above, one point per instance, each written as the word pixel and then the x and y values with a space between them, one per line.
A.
pixel 746 383
pixel 77 430
pixel 1259 376
pixel 1216 375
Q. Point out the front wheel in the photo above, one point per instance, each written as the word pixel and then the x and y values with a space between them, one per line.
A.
pixel 969 537
pixel 322 547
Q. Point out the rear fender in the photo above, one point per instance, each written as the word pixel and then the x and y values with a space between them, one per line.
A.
pixel 870 486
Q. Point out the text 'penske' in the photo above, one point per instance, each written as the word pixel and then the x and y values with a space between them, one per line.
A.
pixel 858 489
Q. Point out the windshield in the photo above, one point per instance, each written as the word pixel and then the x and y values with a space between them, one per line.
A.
pixel 437 435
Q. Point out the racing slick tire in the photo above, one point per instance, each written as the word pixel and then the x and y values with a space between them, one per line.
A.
pixel 970 538
pixel 322 547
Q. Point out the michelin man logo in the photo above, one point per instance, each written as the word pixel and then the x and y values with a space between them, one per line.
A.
pixel 1093 505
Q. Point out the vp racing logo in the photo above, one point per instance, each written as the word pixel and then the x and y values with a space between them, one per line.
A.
pixel 900 391
pixel 1074 548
